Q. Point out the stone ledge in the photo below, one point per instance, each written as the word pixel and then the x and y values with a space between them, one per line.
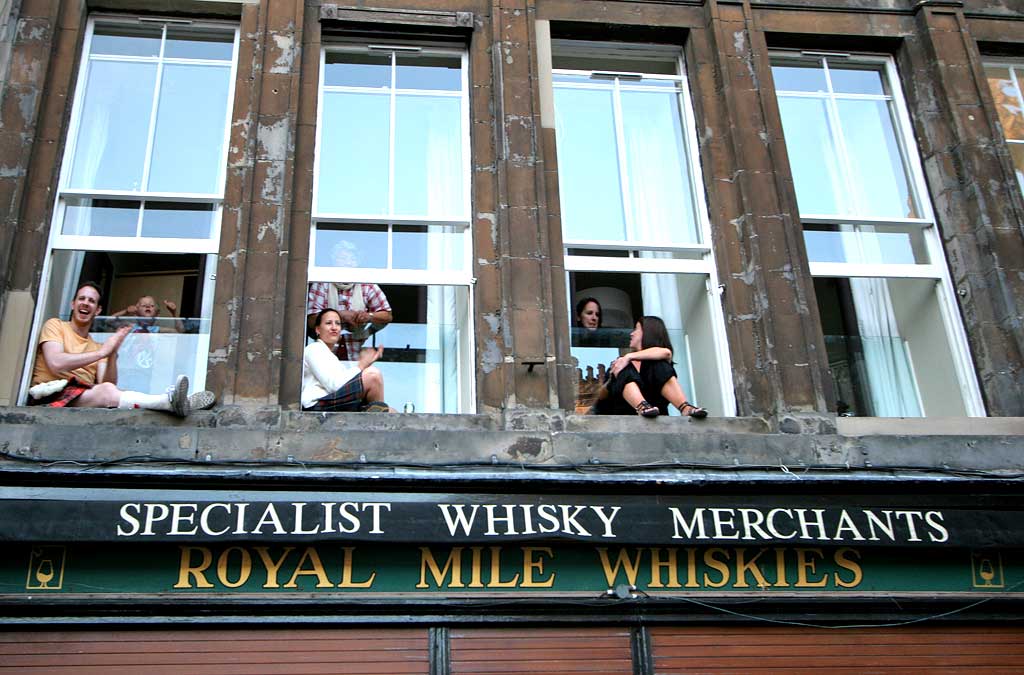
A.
pixel 269 438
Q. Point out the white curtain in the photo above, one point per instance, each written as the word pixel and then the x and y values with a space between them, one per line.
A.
pixel 891 387
pixel 658 187
pixel 444 196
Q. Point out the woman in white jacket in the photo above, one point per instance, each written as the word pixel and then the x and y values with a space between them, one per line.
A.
pixel 332 385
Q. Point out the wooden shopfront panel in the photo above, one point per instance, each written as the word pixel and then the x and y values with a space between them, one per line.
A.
pixel 513 651
pixel 935 650
pixel 217 652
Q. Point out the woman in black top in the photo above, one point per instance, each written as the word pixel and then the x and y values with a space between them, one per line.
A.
pixel 643 382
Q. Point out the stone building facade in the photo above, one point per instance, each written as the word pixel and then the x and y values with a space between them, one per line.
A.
pixel 824 199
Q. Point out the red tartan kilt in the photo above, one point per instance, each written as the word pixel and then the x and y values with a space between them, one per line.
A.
pixel 64 397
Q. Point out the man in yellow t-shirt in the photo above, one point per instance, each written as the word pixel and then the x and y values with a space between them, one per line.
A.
pixel 67 352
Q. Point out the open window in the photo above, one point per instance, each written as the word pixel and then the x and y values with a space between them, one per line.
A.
pixel 634 222
pixel 141 189
pixel 391 214
pixel 895 344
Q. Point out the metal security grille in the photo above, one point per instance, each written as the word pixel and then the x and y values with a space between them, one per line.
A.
pixel 715 650
pixel 594 651
pixel 220 652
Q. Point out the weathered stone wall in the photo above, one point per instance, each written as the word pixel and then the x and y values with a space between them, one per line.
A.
pixel 521 326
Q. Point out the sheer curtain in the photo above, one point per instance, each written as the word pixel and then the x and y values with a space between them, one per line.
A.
pixel 658 185
pixel 891 386
pixel 444 200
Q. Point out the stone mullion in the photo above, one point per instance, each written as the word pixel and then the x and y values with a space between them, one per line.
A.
pixel 246 348
pixel 34 114
pixel 526 316
pixel 777 347
pixel 967 171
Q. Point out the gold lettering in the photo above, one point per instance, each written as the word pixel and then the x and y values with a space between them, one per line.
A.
pixel 495 580
pixel 723 568
pixel 272 566
pixel 670 566
pixel 842 558
pixel 805 564
pixel 530 564
pixel 782 581
pixel 622 561
pixel 454 564
pixel 186 569
pixel 742 567
pixel 691 568
pixel 244 571
pixel 476 568
pixel 346 572
pixel 316 570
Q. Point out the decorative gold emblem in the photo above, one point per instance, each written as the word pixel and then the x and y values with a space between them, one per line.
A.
pixel 987 569
pixel 45 568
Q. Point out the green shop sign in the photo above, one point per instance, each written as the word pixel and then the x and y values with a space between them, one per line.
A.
pixel 98 570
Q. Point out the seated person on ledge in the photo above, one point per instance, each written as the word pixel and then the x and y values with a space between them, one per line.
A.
pixel 643 382
pixel 72 369
pixel 330 384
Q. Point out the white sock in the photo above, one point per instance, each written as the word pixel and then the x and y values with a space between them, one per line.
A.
pixel 134 399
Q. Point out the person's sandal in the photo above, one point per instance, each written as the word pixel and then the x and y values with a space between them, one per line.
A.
pixel 696 412
pixel 645 409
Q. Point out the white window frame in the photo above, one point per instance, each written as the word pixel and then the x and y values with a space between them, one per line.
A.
pixel 703 260
pixel 1013 65
pixel 936 267
pixel 388 275
pixel 138 244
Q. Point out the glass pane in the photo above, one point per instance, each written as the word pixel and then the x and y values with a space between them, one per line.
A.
pixel 588 165
pixel 126 40
pixel 558 78
pixel 161 345
pixel 812 156
pixel 354 154
pixel 183 220
pixel 114 127
pixel 799 76
pixel 188 151
pixel 681 301
pixel 343 69
pixel 875 163
pixel 866 244
pixel 887 347
pixel 421 247
pixel 426 364
pixel 211 45
pixel 101 217
pixel 352 246
pixel 428 158
pixel 658 175
pixel 847 80
pixel 1008 101
pixel 428 72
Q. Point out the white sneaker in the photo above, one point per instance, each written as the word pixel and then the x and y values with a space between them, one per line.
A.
pixel 201 400
pixel 178 397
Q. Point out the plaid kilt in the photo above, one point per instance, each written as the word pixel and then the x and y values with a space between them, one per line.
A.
pixel 64 397
pixel 348 398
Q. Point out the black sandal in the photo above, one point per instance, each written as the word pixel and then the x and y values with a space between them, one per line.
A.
pixel 696 412
pixel 645 409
